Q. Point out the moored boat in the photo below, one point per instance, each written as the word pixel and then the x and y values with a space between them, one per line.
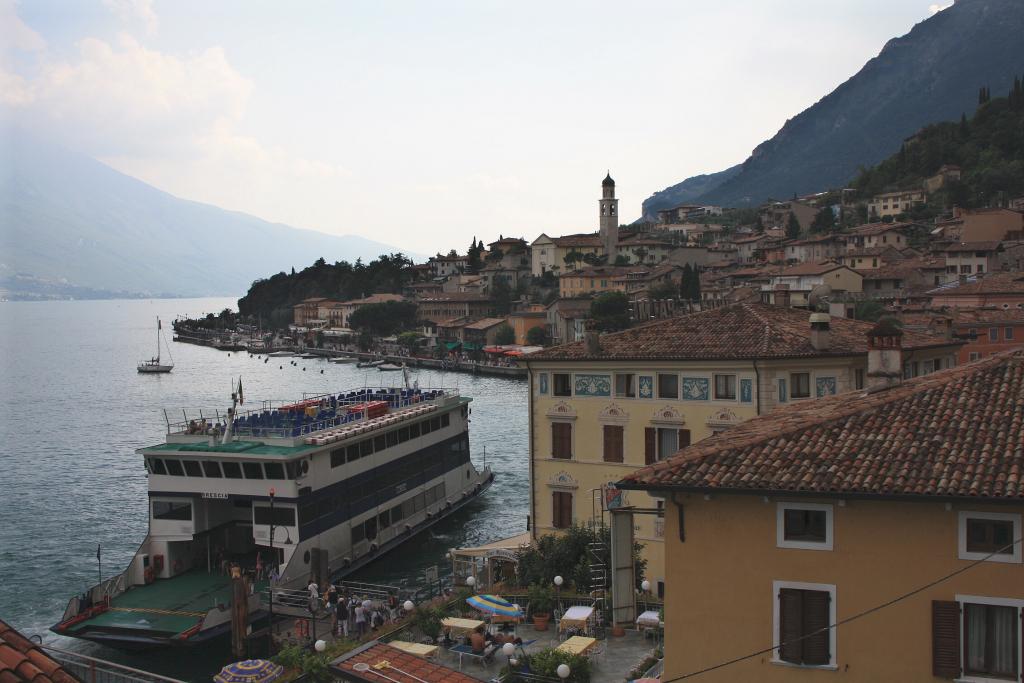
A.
pixel 319 486
pixel 154 365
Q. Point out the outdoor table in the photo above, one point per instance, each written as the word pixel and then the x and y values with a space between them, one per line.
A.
pixel 649 619
pixel 577 645
pixel 577 616
pixel 418 649
pixel 461 626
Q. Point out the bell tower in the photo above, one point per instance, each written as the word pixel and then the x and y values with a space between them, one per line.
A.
pixel 609 216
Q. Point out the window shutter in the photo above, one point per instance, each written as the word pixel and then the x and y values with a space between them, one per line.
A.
pixel 684 438
pixel 945 639
pixel 816 618
pixel 682 523
pixel 790 625
pixel 650 454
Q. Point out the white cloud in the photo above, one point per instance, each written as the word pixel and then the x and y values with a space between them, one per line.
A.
pixel 134 12
pixel 14 34
pixel 935 8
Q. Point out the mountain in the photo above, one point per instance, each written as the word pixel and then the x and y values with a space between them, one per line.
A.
pixel 686 191
pixel 931 74
pixel 66 219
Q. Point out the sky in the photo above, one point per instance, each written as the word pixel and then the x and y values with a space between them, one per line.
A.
pixel 425 124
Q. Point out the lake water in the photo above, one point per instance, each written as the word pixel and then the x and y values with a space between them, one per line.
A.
pixel 74 410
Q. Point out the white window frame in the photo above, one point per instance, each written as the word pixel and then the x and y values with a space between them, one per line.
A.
pixel 961 534
pixel 998 602
pixel 831 589
pixel 780 525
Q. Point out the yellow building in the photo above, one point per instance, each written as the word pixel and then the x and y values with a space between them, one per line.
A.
pixel 548 253
pixel 601 408
pixel 592 280
pixel 871 537
pixel 895 203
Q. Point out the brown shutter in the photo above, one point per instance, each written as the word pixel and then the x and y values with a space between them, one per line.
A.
pixel 650 443
pixel 556 509
pixel 684 438
pixel 945 639
pixel 816 622
pixel 790 625
pixel 567 509
pixel 561 440
pixel 607 443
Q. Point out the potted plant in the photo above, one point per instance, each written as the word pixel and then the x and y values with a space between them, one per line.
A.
pixel 540 606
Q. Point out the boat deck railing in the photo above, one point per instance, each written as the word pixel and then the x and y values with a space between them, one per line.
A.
pixel 94 670
pixel 296 419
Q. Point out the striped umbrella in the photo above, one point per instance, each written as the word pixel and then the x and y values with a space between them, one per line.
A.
pixel 494 604
pixel 250 671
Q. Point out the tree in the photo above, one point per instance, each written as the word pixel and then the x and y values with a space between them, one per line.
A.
pixel 689 287
pixel 495 255
pixel 663 290
pixel 537 336
pixel 869 309
pixel 610 311
pixel 792 227
pixel 504 335
pixel 622 259
pixel 501 297
pixel 572 258
pixel 473 264
pixel 409 341
pixel 591 259
pixel 824 221
pixel 383 319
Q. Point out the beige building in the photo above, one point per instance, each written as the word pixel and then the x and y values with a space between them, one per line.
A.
pixel 895 203
pixel 878 235
pixel 344 310
pixel 548 253
pixel 818 248
pixel 869 537
pixel 776 214
pixel 606 406
pixel 593 280
pixel 438 308
pixel 800 280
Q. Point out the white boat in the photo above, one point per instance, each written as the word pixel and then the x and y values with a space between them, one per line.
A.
pixel 389 367
pixel 342 359
pixel 280 354
pixel 319 487
pixel 154 364
pixel 369 363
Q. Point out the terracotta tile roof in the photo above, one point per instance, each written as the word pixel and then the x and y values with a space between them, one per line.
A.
pixel 23 660
pixel 458 297
pixel 581 240
pixel 993 283
pixel 815 240
pixel 485 323
pixel 957 433
pixel 741 331
pixel 410 666
pixel 963 247
pixel 810 268
pixel 603 271
pixel 747 240
pixel 874 251
pixel 877 228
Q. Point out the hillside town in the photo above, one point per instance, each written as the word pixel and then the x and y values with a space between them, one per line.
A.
pixel 961 273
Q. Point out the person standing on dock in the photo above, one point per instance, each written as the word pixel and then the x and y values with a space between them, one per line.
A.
pixel 332 606
pixel 341 616
pixel 314 595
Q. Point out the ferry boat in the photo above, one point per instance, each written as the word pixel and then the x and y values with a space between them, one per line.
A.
pixel 349 477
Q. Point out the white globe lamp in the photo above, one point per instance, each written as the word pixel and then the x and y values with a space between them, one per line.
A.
pixel 646 585
pixel 508 649
pixel 558 582
pixel 320 646
pixel 470 581
pixel 563 671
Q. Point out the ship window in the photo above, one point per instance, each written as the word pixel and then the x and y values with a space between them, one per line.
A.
pixel 282 516
pixel 307 513
pixel 392 438
pixel 232 470
pixel 358 534
pixel 192 468
pixel 371 528
pixel 174 467
pixel 365 448
pixel 379 443
pixel 211 468
pixel 157 466
pixel 403 435
pixel 431 496
pixel 446 420
pixel 414 428
pixel 274 470
pixel 396 514
pixel 337 458
pixel 290 469
pixel 352 452
pixel 384 519
pixel 435 424
pixel 252 470
pixel 164 509
pixel 409 507
pixel 241 503
pixel 426 428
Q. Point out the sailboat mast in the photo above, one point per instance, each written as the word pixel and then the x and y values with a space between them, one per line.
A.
pixel 158 340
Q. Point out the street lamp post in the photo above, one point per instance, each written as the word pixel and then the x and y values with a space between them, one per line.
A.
pixel 509 649
pixel 558 599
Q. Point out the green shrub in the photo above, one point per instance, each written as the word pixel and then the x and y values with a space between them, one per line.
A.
pixel 545 663
pixel 540 599
pixel 428 620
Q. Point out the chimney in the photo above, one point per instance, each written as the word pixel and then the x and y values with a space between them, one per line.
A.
pixel 885 356
pixel 820 331
pixel 782 295
pixel 592 341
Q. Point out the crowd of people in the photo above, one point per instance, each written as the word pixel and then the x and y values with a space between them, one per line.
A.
pixel 353 616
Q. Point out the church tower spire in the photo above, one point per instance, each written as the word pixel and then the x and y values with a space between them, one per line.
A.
pixel 608 209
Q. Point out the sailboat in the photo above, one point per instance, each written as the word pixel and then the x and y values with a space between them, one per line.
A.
pixel 154 364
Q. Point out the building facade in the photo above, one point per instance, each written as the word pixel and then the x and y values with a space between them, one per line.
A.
pixel 600 409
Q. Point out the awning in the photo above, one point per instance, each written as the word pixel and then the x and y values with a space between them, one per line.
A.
pixel 470 346
pixel 451 346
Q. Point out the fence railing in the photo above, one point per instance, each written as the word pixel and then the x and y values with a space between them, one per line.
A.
pixel 93 670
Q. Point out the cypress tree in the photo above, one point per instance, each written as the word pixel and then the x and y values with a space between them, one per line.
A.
pixel 964 131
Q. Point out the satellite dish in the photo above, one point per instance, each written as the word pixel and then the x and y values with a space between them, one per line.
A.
pixel 818 294
pixel 361 667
